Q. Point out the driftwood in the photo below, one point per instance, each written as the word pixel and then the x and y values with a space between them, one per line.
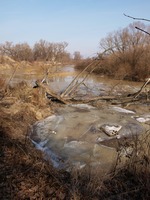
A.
pixel 110 98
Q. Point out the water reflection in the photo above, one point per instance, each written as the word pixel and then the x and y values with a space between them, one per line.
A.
pixel 58 81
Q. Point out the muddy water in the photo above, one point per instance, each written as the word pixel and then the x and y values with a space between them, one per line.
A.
pixel 93 85
pixel 81 135
pixel 60 78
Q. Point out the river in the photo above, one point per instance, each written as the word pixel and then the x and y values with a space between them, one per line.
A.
pixel 83 135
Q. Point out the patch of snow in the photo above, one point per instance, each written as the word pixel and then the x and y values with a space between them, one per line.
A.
pixel 79 165
pixel 73 144
pixel 83 106
pixel 142 119
pixel 119 109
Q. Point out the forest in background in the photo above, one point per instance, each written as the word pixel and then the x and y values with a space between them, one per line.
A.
pixel 123 54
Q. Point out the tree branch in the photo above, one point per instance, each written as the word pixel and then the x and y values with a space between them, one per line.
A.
pixel 136 18
pixel 142 30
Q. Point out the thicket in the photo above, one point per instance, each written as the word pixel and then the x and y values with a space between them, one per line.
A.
pixel 125 53
pixel 41 51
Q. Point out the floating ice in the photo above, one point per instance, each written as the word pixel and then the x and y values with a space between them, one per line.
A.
pixel 118 109
pixel 110 130
pixel 143 118
pixel 73 144
pixel 75 135
pixel 83 106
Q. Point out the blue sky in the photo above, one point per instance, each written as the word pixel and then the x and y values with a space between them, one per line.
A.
pixel 80 23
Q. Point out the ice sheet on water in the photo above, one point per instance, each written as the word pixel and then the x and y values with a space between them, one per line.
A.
pixel 68 136
pixel 49 154
pixel 73 144
pixel 83 106
pixel 143 118
pixel 111 130
pixel 122 110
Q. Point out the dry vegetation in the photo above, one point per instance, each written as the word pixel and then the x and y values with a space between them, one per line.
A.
pixel 125 54
pixel 24 174
pixel 41 51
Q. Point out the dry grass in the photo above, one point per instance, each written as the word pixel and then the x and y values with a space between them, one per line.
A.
pixel 24 174
pixel 130 179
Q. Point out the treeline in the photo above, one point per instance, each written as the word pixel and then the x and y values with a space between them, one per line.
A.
pixel 125 54
pixel 41 51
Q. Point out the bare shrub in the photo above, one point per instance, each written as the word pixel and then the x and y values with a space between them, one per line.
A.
pixel 81 64
pixel 41 51
pixel 127 47
pixel 17 52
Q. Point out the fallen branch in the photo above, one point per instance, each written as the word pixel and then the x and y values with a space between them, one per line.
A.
pixel 48 91
pixel 141 89
pixel 112 99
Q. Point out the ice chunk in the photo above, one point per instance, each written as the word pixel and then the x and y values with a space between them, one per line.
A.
pixel 142 119
pixel 110 130
pixel 119 109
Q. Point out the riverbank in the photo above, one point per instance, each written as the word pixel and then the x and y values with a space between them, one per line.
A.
pixel 24 174
pixel 104 67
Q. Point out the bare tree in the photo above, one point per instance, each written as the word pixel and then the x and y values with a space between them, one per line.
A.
pixel 44 50
pixel 7 49
pixel 18 52
pixel 127 48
